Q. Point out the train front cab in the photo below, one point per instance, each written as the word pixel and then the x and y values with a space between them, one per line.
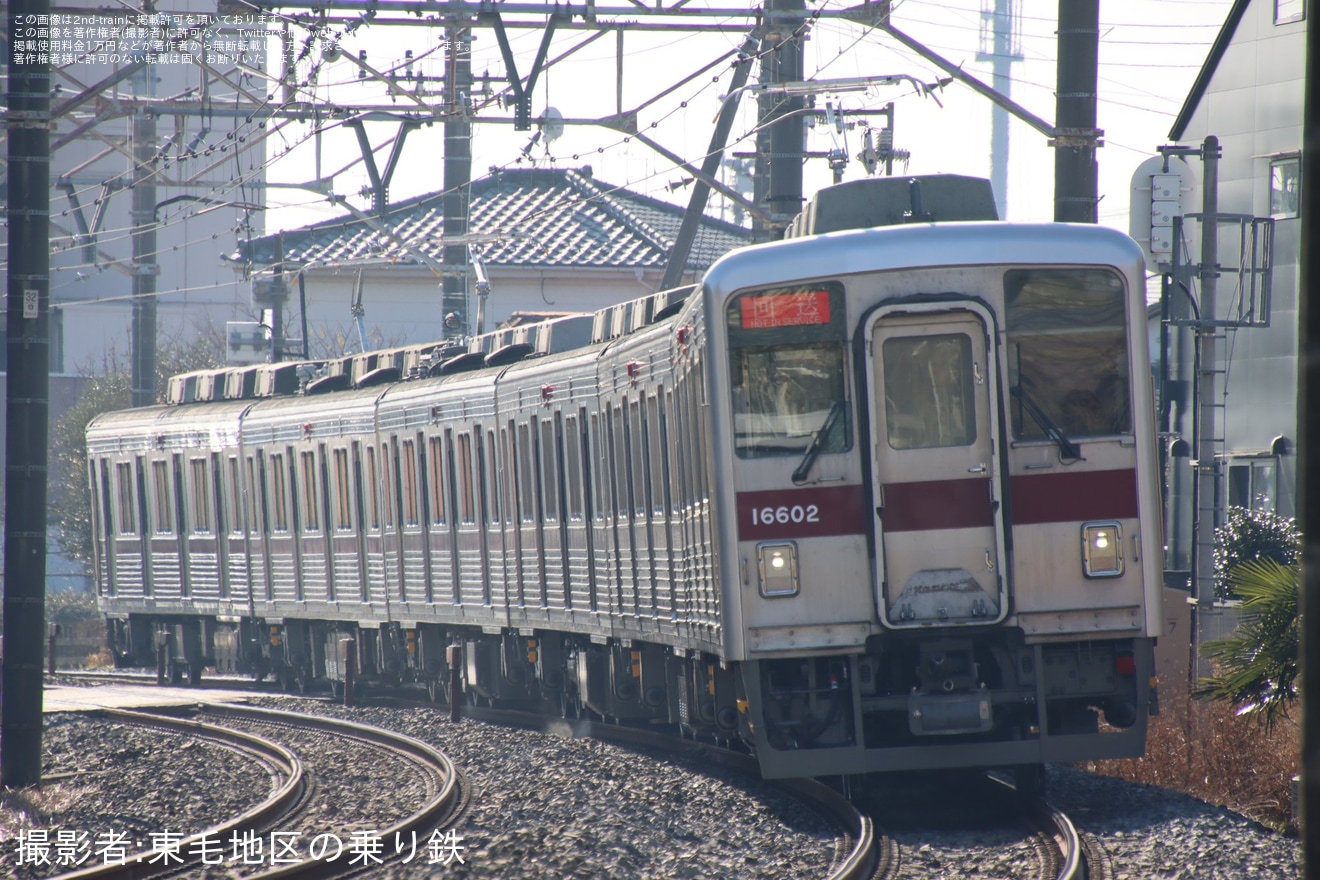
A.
pixel 1005 505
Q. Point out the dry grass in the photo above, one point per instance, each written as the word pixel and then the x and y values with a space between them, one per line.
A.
pixel 1205 750
pixel 99 660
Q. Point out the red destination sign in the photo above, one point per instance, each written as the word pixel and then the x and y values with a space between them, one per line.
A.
pixel 785 309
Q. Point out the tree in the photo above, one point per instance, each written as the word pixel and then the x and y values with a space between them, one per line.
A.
pixel 1252 534
pixel 1258 665
pixel 107 391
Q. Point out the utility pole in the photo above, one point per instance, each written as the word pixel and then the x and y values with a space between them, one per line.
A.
pixel 1208 413
pixel 143 216
pixel 27 410
pixel 779 142
pixel 458 169
pixel 1001 46
pixel 1076 137
pixel 1308 449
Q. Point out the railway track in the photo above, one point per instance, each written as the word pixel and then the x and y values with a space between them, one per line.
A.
pixel 981 825
pixel 295 785
pixel 862 851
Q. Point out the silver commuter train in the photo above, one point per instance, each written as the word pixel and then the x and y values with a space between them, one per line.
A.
pixel 870 500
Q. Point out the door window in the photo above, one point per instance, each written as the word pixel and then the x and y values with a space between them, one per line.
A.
pixel 929 400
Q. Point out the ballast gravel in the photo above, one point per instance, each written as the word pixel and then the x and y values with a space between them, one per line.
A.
pixel 544 806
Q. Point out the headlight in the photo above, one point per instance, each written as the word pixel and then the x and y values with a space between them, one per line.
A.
pixel 779 574
pixel 1102 549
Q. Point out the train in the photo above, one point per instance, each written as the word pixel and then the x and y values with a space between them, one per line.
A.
pixel 864 499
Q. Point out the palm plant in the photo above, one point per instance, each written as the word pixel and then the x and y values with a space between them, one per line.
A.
pixel 1258 665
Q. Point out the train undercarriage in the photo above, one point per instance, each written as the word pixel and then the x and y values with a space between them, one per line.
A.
pixel 959 701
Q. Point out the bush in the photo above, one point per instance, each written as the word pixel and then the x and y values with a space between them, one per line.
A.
pixel 1257 667
pixel 1252 534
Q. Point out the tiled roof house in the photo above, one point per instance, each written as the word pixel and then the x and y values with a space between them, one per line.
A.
pixel 551 240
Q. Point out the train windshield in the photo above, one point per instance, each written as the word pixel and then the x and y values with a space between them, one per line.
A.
pixel 787 372
pixel 1067 354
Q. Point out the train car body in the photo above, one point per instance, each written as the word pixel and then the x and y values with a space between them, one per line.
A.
pixel 870 500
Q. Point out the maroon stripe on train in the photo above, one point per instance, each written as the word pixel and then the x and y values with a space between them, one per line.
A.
pixel 1074 496
pixel 937 504
pixel 784 514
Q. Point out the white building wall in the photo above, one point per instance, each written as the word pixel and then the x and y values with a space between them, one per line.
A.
pixel 402 304
pixel 1253 104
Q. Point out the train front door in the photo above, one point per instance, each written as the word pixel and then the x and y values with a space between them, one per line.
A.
pixel 934 467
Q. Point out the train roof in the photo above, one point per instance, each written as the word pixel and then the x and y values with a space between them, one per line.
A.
pixel 165 427
pixel 918 245
pixel 498 348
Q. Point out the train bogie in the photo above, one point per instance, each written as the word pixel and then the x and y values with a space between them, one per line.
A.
pixel 873 500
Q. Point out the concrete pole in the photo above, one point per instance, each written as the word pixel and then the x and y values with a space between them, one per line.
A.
pixel 27 384
pixel 145 269
pixel 457 169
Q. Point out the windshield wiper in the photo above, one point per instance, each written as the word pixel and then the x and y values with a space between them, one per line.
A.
pixel 817 440
pixel 1067 448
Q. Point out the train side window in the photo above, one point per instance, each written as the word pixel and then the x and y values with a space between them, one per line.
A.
pixel 549 473
pixel 509 471
pixel 466 506
pixel 488 477
pixel 126 508
pixel 236 495
pixel 408 482
pixel 668 453
pixel 343 500
pixel 164 507
pixel 105 504
pixel 526 489
pixel 311 517
pixel 438 482
pixel 573 467
pixel 201 496
pixel 697 435
pixel 279 504
pixel 257 503
pixel 373 490
pixel 656 468
pixel 1067 353
pixel 600 469
pixel 387 481
pixel 637 458
pixel 181 511
pixel 619 442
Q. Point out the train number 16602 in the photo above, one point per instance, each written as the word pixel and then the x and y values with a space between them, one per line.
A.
pixel 798 513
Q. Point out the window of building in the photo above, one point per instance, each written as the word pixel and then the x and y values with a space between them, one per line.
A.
pixel 1288 11
pixel 1285 187
pixel 1254 483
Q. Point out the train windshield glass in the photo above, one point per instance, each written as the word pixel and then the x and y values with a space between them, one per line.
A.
pixel 1067 354
pixel 787 371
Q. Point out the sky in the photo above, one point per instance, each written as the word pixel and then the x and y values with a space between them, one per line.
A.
pixel 1150 52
